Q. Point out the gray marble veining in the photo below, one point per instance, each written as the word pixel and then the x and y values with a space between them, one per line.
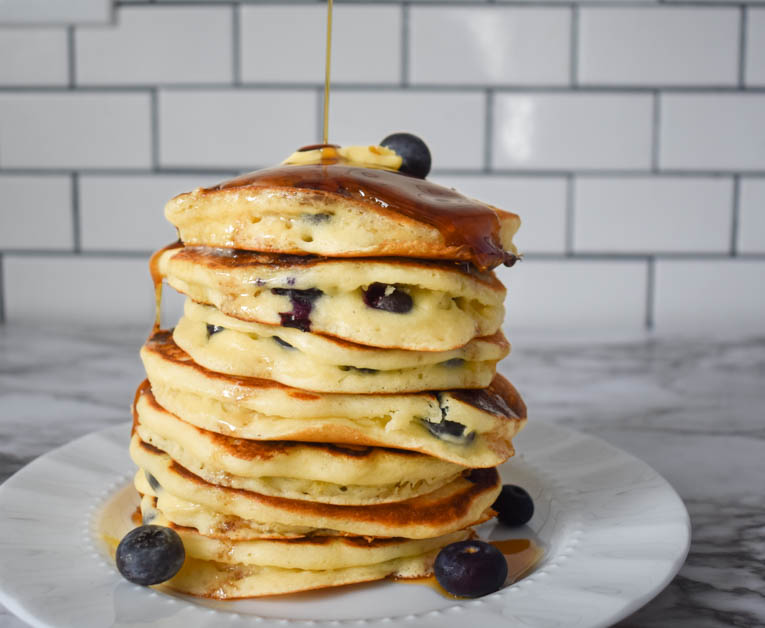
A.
pixel 693 409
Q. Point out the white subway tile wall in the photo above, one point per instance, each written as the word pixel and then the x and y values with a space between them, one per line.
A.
pixel 175 45
pixel 725 295
pixel 125 213
pixel 629 136
pixel 71 130
pixel 751 234
pixel 658 46
pixel 494 46
pixel 572 131
pixel 539 201
pixel 718 132
pixel 575 294
pixel 275 40
pixel 652 215
pixel 33 56
pixel 755 47
pixel 55 11
pixel 233 128
pixel 454 122
pixel 36 212
pixel 104 290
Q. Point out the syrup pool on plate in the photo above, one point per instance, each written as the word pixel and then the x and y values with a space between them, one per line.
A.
pixel 521 556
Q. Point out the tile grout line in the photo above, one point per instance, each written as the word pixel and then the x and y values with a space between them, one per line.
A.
pixel 446 3
pixel 456 88
pixel 236 44
pixel 650 290
pixel 742 43
pixel 76 218
pixel 2 291
pixel 574 51
pixel 70 57
pixel 488 131
pixel 154 110
pixel 569 216
pixel 735 216
pixel 405 47
pixel 655 132
pixel 479 170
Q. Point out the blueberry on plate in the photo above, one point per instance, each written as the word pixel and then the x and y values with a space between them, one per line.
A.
pixel 514 506
pixel 470 568
pixel 414 153
pixel 150 554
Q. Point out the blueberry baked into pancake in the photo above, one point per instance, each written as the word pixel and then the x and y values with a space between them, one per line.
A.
pixel 327 410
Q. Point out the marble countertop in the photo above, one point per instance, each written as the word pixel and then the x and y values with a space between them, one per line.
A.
pixel 692 409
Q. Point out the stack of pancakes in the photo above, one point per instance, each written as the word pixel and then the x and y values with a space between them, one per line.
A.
pixel 327 409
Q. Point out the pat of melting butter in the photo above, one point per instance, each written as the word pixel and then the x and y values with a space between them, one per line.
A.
pixel 364 156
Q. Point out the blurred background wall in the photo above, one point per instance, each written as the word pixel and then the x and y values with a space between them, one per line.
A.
pixel 629 136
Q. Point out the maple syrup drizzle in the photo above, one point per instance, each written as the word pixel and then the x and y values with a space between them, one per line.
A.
pixel 521 556
pixel 328 63
pixel 156 277
pixel 142 389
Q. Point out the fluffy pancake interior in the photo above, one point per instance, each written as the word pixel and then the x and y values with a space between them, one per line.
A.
pixel 227 350
pixel 263 410
pixel 323 473
pixel 313 221
pixel 313 553
pixel 450 307
pixel 450 508
pixel 225 581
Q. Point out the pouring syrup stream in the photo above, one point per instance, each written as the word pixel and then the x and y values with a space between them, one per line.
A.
pixel 328 63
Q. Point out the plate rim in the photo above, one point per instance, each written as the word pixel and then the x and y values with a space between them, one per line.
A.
pixel 493 604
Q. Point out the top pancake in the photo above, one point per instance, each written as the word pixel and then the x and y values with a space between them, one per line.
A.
pixel 341 210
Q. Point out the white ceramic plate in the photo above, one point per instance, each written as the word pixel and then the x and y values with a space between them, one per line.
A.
pixel 614 531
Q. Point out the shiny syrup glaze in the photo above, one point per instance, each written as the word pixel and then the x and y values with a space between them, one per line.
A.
pixel 156 277
pixel 143 388
pixel 521 556
pixel 470 227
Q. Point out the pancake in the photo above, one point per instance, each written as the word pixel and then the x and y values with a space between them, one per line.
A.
pixel 320 363
pixel 311 553
pixel 471 428
pixel 224 581
pixel 183 513
pixel 250 568
pixel 318 472
pixel 337 210
pixel 439 306
pixel 448 509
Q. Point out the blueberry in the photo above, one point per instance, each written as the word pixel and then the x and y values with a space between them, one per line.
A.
pixel 383 296
pixel 449 431
pixel 316 219
pixel 514 505
pixel 213 329
pixel 153 482
pixel 470 568
pixel 487 400
pixel 150 554
pixel 360 369
pixel 453 363
pixel 414 153
pixel 283 343
pixel 302 304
